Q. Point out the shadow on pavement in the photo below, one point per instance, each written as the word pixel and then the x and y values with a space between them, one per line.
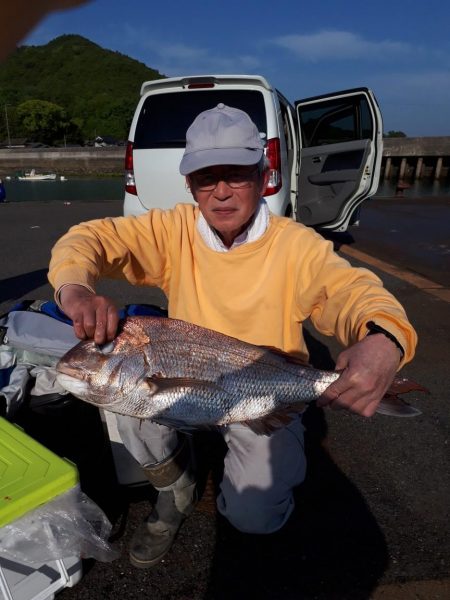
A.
pixel 13 288
pixel 331 548
pixel 338 238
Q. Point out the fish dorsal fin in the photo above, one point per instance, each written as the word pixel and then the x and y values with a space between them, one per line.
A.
pixel 276 420
pixel 296 360
pixel 158 383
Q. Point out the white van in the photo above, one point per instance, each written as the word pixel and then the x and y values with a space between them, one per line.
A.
pixel 324 153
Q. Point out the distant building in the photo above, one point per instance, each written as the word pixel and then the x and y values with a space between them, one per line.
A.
pixel 105 140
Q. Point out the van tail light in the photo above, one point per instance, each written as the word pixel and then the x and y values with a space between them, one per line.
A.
pixel 272 151
pixel 130 183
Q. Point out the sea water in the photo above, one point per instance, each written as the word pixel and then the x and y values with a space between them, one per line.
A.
pixel 69 190
pixel 107 189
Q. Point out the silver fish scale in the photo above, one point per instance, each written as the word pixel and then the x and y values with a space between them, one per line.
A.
pixel 240 381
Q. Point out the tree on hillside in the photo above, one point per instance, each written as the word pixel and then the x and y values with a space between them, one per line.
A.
pixel 98 88
pixel 395 134
pixel 108 116
pixel 45 122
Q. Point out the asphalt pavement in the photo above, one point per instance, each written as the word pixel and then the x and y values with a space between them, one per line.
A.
pixel 372 517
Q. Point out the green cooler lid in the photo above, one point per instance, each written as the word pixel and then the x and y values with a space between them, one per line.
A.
pixel 30 474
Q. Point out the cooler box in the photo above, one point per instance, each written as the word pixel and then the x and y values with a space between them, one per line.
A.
pixel 31 475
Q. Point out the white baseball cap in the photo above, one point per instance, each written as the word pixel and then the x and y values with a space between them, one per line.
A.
pixel 221 136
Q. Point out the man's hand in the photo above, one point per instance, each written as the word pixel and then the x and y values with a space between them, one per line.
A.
pixel 22 15
pixel 368 369
pixel 94 317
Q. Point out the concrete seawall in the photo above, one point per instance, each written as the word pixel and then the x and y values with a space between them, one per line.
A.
pixel 64 161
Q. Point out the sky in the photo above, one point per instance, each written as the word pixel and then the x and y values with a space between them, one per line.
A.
pixel 398 48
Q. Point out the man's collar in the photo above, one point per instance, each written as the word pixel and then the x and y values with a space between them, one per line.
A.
pixel 254 231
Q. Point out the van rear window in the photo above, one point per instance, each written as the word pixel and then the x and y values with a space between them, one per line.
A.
pixel 165 118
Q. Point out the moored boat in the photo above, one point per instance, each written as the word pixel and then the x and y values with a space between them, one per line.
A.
pixel 33 176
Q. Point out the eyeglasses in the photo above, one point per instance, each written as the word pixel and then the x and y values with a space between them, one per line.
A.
pixel 207 182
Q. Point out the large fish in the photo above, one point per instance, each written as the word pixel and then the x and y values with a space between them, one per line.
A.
pixel 186 376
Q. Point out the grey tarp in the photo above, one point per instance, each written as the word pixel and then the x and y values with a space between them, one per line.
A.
pixel 29 351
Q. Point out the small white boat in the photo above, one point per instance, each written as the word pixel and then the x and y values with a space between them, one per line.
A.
pixel 33 176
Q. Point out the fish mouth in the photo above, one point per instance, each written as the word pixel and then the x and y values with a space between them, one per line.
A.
pixel 73 385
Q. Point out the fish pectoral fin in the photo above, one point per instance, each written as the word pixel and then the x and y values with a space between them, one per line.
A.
pixel 158 383
pixel 270 423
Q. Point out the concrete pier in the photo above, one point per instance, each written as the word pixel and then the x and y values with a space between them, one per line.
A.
pixel 416 158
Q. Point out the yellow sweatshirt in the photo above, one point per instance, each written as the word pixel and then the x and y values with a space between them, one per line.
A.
pixel 260 292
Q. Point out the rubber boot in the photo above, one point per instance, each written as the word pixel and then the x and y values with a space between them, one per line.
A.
pixel 174 479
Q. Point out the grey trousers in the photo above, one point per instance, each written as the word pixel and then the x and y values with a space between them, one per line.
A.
pixel 260 471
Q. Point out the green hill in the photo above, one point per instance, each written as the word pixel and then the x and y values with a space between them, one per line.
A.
pixel 97 88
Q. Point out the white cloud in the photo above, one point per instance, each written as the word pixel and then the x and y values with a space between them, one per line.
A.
pixel 175 52
pixel 340 45
pixel 172 58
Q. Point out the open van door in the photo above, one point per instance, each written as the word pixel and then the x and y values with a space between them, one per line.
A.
pixel 340 156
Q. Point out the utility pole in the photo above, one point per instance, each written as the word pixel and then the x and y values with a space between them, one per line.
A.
pixel 7 126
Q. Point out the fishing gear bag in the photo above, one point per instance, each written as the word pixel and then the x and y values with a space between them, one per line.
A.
pixel 34 335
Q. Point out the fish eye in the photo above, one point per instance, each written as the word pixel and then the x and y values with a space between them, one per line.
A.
pixel 106 348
